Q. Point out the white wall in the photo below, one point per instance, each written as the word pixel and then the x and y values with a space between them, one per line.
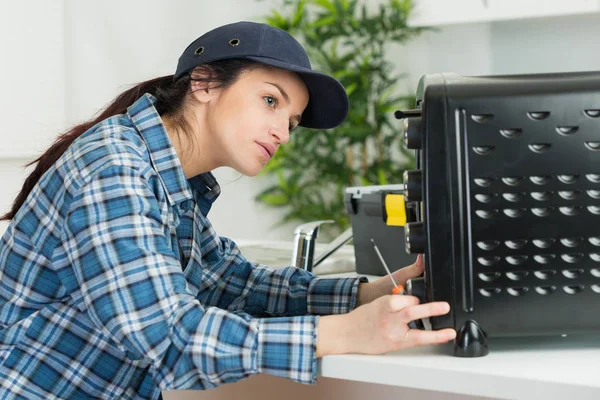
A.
pixel 463 49
pixel 31 74
pixel 546 45
pixel 556 44
pixel 32 81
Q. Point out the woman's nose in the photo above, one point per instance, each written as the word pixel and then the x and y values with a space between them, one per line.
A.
pixel 281 133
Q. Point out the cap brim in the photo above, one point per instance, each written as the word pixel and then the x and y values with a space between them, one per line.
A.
pixel 328 102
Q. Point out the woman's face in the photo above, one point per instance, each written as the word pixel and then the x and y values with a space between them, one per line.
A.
pixel 246 123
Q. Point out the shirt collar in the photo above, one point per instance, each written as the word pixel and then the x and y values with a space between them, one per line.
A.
pixel 207 188
pixel 148 122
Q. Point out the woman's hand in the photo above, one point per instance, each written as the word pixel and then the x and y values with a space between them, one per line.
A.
pixel 367 292
pixel 380 327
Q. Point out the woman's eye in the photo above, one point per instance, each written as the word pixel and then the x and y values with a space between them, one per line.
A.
pixel 271 101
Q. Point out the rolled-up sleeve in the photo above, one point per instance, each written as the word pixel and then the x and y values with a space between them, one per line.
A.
pixel 119 262
pixel 262 291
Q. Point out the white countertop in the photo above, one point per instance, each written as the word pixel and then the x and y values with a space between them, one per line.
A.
pixel 516 368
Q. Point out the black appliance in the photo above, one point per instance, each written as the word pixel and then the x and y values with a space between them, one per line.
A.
pixel 507 193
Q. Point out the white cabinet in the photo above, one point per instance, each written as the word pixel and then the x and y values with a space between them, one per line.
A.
pixel 445 12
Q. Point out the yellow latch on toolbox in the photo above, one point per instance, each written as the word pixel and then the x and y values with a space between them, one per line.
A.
pixel 395 209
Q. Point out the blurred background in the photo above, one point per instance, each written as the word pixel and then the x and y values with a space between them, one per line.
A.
pixel 63 60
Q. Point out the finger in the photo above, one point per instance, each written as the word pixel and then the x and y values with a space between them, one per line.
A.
pixel 426 310
pixel 417 337
pixel 399 302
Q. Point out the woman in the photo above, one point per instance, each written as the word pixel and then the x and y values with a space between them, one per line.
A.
pixel 113 283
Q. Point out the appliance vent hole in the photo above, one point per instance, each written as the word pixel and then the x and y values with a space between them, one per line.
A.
pixel 568 179
pixel 566 130
pixel 514 212
pixel 540 180
pixel 483 182
pixel 486 214
pixel 484 198
pixel 512 180
pixel 482 118
pixel 594 210
pixel 483 150
pixel 544 243
pixel 593 178
pixel 570 211
pixel 573 289
pixel 517 276
pixel 540 147
pixel 489 276
pixel 516 291
pixel 516 260
pixel 515 244
pixel 489 292
pixel 592 113
pixel 544 290
pixel 572 273
pixel 511 133
pixel 545 274
pixel 488 261
pixel 544 258
pixel 572 257
pixel 569 194
pixel 571 242
pixel 594 193
pixel 593 146
pixel 538 115
pixel 513 197
pixel 595 272
pixel 541 211
pixel 596 288
pixel 595 240
pixel 488 245
pixel 595 256
pixel 541 196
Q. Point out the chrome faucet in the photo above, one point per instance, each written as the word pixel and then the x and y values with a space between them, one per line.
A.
pixel 305 240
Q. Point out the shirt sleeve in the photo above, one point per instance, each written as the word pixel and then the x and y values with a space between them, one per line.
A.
pixel 263 291
pixel 125 275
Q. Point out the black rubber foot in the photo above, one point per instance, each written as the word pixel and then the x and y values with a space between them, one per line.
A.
pixel 471 341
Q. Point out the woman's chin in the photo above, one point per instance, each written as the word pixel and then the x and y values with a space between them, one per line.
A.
pixel 250 169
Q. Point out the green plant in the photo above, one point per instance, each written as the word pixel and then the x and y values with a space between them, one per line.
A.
pixel 347 39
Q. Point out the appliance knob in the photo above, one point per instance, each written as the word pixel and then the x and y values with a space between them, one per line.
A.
pixel 413 185
pixel 412 133
pixel 414 236
pixel 416 287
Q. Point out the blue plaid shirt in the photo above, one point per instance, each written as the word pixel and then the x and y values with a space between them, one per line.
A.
pixel 113 283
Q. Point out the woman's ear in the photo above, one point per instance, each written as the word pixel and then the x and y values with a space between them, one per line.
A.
pixel 201 90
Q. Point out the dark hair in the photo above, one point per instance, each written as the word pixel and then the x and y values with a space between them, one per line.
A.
pixel 170 97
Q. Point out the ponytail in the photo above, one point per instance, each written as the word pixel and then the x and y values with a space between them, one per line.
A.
pixel 170 96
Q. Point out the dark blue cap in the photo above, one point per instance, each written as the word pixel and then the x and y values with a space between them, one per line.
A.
pixel 328 102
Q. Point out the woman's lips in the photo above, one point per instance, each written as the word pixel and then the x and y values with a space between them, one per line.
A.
pixel 267 149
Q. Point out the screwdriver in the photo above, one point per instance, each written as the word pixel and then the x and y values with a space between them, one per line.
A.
pixel 398 289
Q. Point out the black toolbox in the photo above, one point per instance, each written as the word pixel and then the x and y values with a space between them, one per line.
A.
pixel 378 213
